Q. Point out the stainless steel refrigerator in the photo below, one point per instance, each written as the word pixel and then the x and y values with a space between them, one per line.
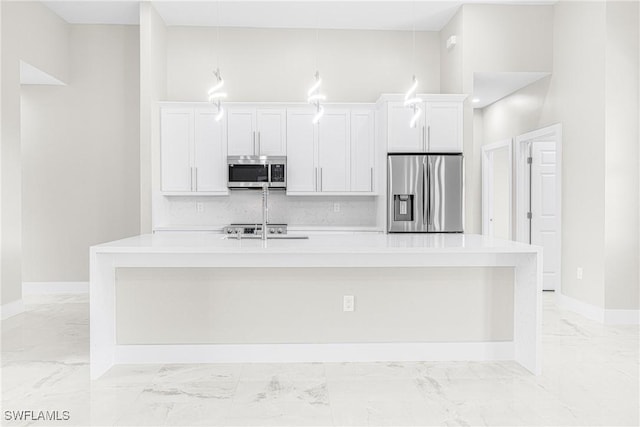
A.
pixel 425 193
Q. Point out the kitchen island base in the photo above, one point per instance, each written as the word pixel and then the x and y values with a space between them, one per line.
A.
pixel 358 253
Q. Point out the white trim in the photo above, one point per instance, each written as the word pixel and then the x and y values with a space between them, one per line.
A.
pixel 621 317
pixel 54 288
pixel 599 314
pixel 487 189
pixel 10 309
pixel 290 353
pixel 553 132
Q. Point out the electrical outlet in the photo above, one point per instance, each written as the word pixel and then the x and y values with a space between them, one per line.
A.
pixel 579 273
pixel 199 207
pixel 348 303
pixel 336 207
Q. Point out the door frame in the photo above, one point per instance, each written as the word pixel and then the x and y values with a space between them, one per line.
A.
pixel 487 187
pixel 549 133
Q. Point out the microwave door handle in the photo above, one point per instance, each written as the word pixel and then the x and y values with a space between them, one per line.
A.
pixel 427 201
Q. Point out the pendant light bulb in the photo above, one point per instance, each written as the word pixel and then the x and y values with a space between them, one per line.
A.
pixel 314 97
pixel 318 115
pixel 215 96
pixel 412 101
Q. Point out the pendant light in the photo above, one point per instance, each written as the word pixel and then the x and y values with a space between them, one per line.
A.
pixel 215 96
pixel 313 94
pixel 410 98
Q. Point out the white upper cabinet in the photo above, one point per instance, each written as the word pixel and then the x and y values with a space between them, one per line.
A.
pixel 256 131
pixel 192 151
pixel 209 153
pixel 241 131
pixel 176 143
pixel 362 150
pixel 302 136
pixel 334 151
pixel 271 132
pixel 444 126
pixel 401 137
pixel 438 129
pixel 335 156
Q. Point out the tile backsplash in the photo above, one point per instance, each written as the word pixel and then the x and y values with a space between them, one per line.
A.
pixel 245 206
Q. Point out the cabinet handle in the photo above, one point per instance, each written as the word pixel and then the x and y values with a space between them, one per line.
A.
pixel 253 136
pixel 429 137
pixel 315 180
pixel 191 178
pixel 195 174
pixel 259 147
pixel 371 179
pixel 424 139
pixel 320 179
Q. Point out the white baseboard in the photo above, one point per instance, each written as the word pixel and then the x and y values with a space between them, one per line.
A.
pixel 11 309
pixel 54 288
pixel 622 317
pixel 599 314
pixel 307 353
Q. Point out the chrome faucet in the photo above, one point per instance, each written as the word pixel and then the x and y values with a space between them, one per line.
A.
pixel 265 210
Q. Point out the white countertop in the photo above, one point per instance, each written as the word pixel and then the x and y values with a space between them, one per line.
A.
pixel 361 243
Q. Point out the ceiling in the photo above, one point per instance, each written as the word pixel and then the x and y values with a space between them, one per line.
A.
pixel 334 14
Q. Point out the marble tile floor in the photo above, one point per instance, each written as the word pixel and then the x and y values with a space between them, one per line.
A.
pixel 590 378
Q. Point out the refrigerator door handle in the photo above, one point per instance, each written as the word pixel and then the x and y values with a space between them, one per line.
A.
pixel 428 185
pixel 425 192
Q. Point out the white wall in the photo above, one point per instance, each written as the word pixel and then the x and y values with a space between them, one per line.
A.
pixel 593 93
pixel 622 288
pixel 451 59
pixel 80 155
pixel 279 64
pixel 30 32
pixel 153 88
pixel 501 38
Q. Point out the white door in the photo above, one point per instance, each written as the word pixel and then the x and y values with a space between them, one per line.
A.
pixel 271 137
pixel 544 224
pixel 444 127
pixel 401 137
pixel 362 150
pixel 241 131
pixel 333 151
pixel 496 189
pixel 176 126
pixel 302 172
pixel 500 196
pixel 209 153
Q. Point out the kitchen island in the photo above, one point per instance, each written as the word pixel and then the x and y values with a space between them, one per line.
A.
pixel 361 253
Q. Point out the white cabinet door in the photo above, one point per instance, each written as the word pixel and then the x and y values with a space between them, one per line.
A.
pixel 301 152
pixel 362 150
pixel 209 153
pixel 176 134
pixel 241 131
pixel 271 137
pixel 333 151
pixel 444 127
pixel 401 137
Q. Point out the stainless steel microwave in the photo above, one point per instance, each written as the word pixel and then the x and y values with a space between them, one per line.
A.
pixel 256 171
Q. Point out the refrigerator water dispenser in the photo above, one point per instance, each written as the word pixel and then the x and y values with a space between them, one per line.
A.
pixel 403 209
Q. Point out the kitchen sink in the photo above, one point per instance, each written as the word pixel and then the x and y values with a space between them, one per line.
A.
pixel 269 237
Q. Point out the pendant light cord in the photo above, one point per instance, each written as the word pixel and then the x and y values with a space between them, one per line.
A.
pixel 413 54
pixel 218 34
